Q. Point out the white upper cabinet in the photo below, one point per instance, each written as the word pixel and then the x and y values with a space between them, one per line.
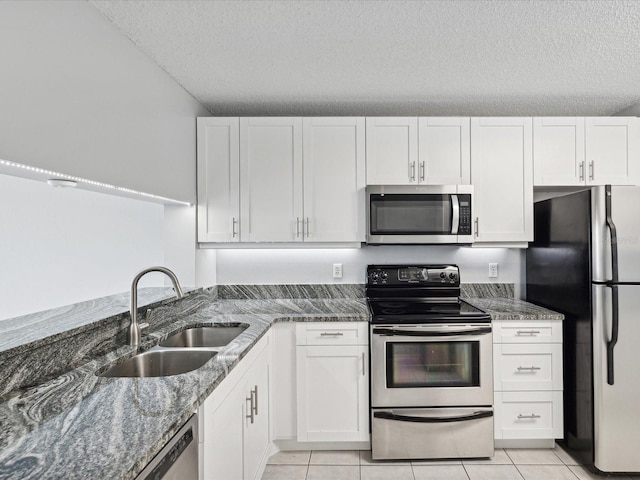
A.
pixel 611 151
pixel 502 178
pixel 218 179
pixel 558 151
pixel 271 179
pixel 334 179
pixel 284 180
pixel 576 151
pixel 444 151
pixel 426 150
pixel 392 150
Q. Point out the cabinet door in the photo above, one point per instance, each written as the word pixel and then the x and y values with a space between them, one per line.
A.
pixel 332 393
pixel 502 178
pixel 612 150
pixel 558 151
pixel 334 179
pixel 392 150
pixel 444 151
pixel 256 408
pixel 218 179
pixel 271 179
pixel 222 454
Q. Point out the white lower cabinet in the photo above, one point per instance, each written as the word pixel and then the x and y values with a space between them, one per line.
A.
pixel 527 363
pixel 332 373
pixel 235 426
pixel 528 415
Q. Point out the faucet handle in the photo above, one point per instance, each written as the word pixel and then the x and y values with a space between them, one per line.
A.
pixel 147 318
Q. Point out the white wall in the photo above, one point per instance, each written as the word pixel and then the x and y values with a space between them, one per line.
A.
pixel 253 266
pixel 78 97
pixel 61 246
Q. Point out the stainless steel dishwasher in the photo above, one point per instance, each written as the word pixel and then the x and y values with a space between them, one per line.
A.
pixel 178 459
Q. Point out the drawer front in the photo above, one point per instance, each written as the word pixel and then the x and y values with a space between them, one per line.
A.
pixel 527 331
pixel 332 333
pixel 528 415
pixel 527 367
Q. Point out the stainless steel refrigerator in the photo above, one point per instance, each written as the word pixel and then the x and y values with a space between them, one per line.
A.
pixel 585 262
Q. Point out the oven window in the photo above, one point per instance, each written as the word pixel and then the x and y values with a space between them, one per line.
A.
pixel 433 364
pixel 410 214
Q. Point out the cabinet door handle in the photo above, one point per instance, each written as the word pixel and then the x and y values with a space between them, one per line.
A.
pixel 476 224
pixel 297 227
pixel 530 369
pixel 254 392
pixel 422 171
pixel 412 171
pixel 307 227
pixel 233 227
pixel 581 170
pixel 331 334
pixel 251 410
pixel 527 332
pixel 592 169
pixel 533 415
pixel 363 373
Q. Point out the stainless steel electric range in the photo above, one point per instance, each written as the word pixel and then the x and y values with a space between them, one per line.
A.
pixel 431 365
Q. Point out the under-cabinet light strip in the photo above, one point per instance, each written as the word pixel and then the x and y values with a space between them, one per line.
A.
pixel 91 182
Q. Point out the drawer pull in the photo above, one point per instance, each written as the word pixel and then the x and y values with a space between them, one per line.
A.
pixel 331 334
pixel 529 369
pixel 527 332
pixel 533 415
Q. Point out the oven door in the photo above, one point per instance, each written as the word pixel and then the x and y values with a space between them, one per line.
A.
pixel 431 365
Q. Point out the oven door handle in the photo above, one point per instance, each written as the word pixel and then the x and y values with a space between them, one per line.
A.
pixel 417 333
pixel 407 418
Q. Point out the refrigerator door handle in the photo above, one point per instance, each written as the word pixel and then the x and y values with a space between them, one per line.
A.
pixel 614 235
pixel 614 332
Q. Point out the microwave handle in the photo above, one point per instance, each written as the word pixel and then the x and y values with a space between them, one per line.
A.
pixel 455 217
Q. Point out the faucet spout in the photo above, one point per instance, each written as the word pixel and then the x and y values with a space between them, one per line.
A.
pixel 134 326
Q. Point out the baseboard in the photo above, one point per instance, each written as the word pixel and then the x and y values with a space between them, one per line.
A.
pixel 526 443
pixel 293 444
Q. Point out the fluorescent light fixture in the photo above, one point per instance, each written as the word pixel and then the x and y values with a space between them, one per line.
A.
pixel 57 178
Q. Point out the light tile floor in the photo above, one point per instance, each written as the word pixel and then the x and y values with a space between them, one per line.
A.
pixel 510 464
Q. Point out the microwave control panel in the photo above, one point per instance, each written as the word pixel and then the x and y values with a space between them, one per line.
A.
pixel 464 227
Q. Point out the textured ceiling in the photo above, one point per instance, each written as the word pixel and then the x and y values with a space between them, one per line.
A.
pixel 336 57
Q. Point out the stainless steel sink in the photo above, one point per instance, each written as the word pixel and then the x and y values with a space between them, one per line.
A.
pixel 160 363
pixel 204 336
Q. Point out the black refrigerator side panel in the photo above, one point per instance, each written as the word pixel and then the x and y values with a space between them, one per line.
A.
pixel 558 268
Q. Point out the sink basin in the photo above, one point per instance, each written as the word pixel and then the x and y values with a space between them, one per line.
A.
pixel 204 336
pixel 160 363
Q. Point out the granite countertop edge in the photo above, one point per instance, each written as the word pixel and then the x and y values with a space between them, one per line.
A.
pixel 52 427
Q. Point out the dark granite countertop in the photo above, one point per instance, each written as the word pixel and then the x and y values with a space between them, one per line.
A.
pixel 513 309
pixel 79 425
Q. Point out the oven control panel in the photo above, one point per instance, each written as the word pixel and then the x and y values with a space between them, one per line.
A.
pixel 405 274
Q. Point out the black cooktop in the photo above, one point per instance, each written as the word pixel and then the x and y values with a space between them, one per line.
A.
pixel 415 294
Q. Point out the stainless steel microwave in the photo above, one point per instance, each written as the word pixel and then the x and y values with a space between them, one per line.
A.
pixel 419 214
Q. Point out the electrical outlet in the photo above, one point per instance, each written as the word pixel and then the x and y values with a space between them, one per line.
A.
pixel 337 270
pixel 493 270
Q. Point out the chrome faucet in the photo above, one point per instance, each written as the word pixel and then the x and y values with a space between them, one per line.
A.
pixel 134 327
